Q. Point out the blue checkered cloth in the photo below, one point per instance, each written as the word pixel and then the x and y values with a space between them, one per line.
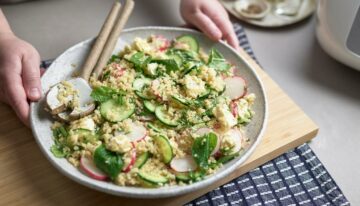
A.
pixel 295 178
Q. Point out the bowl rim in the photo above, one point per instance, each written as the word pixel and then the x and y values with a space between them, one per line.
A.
pixel 161 192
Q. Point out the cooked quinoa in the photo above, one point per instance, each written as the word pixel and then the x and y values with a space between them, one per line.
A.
pixel 163 117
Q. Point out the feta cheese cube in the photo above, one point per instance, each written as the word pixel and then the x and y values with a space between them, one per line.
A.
pixel 224 117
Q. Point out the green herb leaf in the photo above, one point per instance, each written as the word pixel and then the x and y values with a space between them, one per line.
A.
pixel 109 162
pixel 114 58
pixel 103 93
pixel 217 61
pixel 202 148
pixel 60 132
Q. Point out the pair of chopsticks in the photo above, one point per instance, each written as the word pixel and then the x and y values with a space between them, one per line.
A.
pixel 106 40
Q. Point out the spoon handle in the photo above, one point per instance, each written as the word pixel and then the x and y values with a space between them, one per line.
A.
pixel 114 35
pixel 100 41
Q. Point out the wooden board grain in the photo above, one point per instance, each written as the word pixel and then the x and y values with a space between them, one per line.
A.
pixel 27 178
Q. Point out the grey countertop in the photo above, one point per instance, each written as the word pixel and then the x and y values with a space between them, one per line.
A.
pixel 326 90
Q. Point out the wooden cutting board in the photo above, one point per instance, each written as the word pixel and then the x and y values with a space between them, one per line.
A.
pixel 27 178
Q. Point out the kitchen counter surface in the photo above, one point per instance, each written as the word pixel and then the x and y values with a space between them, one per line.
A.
pixel 326 90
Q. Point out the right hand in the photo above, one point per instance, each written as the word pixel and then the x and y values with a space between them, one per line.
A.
pixel 210 17
pixel 19 74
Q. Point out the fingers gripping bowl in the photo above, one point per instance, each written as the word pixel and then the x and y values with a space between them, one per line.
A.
pixel 183 176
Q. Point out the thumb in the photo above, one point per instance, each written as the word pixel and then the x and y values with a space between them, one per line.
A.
pixel 31 78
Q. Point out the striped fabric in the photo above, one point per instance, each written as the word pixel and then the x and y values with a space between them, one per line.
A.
pixel 295 178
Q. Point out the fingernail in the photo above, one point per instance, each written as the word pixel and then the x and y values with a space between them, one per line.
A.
pixel 34 93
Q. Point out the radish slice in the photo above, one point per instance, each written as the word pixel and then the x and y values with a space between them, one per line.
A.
pixel 120 72
pixel 185 164
pixel 233 70
pixel 234 109
pixel 203 131
pixel 89 167
pixel 128 167
pixel 236 135
pixel 164 43
pixel 137 132
pixel 146 118
pixel 235 87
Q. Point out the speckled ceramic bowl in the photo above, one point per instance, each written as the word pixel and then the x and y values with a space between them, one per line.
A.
pixel 72 59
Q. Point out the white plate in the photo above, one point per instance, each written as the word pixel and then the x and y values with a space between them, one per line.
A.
pixel 71 60
pixel 307 7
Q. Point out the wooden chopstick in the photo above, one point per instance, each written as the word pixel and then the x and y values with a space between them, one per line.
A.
pixel 114 35
pixel 100 41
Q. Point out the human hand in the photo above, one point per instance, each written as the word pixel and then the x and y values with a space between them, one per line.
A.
pixel 210 17
pixel 19 74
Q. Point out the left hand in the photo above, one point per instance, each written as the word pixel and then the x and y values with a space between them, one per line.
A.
pixel 210 17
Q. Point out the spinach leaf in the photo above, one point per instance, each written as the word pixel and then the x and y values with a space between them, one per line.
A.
pixel 140 60
pixel 103 93
pixel 170 64
pixel 109 162
pixel 217 61
pixel 184 54
pixel 202 148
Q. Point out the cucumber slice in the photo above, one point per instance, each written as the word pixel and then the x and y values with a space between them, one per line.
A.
pixel 139 83
pixel 82 132
pixel 190 40
pixel 149 106
pixel 147 184
pixel 164 148
pixel 227 158
pixel 152 178
pixel 114 112
pixel 160 113
pixel 82 135
pixel 189 176
pixel 180 100
pixel 182 176
pixel 85 135
pixel 138 86
pixel 153 127
pixel 141 160
pixel 177 59
pixel 143 95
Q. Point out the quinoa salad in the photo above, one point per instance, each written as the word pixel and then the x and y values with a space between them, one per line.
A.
pixel 164 112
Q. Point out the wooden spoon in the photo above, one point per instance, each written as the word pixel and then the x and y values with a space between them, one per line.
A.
pixel 101 50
